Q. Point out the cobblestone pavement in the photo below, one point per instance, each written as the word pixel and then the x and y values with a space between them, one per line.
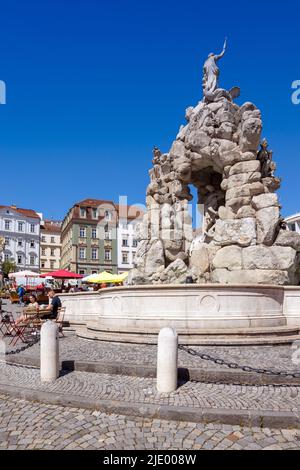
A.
pixel 74 348
pixel 139 390
pixel 27 425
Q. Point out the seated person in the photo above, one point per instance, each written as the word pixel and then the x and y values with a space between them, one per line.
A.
pixel 33 307
pixel 54 305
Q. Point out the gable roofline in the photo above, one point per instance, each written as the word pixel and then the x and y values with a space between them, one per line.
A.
pixel 31 214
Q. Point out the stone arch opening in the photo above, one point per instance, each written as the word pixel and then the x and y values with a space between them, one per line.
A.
pixel 210 196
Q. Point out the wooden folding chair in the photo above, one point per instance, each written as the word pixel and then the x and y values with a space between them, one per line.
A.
pixel 60 320
pixel 6 319
pixel 22 331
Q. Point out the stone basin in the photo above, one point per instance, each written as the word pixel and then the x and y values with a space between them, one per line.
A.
pixel 194 310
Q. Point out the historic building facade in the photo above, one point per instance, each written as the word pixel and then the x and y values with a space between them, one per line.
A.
pixel 21 230
pixel 98 235
pixel 89 237
pixel 50 246
pixel 293 222
pixel 129 216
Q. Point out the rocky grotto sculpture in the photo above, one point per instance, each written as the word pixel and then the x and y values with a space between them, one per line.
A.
pixel 243 237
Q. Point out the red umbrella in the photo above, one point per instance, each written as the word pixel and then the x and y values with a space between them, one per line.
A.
pixel 62 274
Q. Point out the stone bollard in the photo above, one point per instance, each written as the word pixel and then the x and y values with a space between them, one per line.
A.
pixel 167 360
pixel 49 352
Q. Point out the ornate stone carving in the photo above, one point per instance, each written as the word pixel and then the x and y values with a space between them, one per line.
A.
pixel 217 153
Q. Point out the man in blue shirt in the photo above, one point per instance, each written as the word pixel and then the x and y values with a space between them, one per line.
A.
pixel 54 306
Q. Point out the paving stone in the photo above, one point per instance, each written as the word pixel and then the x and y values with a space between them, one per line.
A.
pixel 24 424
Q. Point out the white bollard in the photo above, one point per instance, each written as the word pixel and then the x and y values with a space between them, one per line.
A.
pixel 49 352
pixel 167 360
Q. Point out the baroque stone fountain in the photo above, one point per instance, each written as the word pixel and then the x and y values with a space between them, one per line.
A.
pixel 243 236
pixel 244 263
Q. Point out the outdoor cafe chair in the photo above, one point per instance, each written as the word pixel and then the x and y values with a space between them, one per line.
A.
pixel 6 320
pixel 19 331
pixel 59 319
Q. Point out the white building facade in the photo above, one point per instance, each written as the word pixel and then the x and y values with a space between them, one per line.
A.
pixel 50 256
pixel 293 222
pixel 127 245
pixel 128 218
pixel 21 230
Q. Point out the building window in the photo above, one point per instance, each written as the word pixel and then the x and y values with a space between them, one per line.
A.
pixel 32 244
pixel 94 233
pixel 107 215
pixel 6 257
pixel 82 272
pixel 20 242
pixel 94 253
pixel 32 260
pixel 82 212
pixel 134 243
pixel 52 240
pixel 107 255
pixel 20 259
pixel 52 252
pixel 293 227
pixel 82 232
pixel 52 264
pixel 95 213
pixel 43 239
pixel 125 226
pixel 20 226
pixel 7 225
pixel 43 252
pixel 32 228
pixel 107 235
pixel 125 241
pixel 81 253
pixel 7 241
pixel 124 257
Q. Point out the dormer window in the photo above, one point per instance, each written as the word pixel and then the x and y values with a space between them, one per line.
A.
pixel 107 215
pixel 82 212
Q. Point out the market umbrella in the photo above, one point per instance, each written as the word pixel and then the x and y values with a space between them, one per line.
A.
pixel 120 278
pixel 87 278
pixel 24 274
pixel 62 274
pixel 100 278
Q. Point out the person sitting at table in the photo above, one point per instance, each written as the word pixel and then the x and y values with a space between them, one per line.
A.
pixel 33 307
pixel 54 305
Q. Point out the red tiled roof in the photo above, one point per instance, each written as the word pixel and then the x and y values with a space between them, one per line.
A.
pixel 51 226
pixel 26 212
pixel 93 202
pixel 131 212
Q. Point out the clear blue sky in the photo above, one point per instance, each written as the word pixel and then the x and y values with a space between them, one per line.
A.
pixel 92 86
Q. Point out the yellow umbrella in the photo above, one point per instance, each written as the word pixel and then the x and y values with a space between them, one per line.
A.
pixel 120 278
pixel 100 278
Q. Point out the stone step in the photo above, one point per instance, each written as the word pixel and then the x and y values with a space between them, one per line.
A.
pixel 193 339
pixel 244 332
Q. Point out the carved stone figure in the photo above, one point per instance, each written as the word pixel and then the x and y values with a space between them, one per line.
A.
pixel 211 71
pixel 265 157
